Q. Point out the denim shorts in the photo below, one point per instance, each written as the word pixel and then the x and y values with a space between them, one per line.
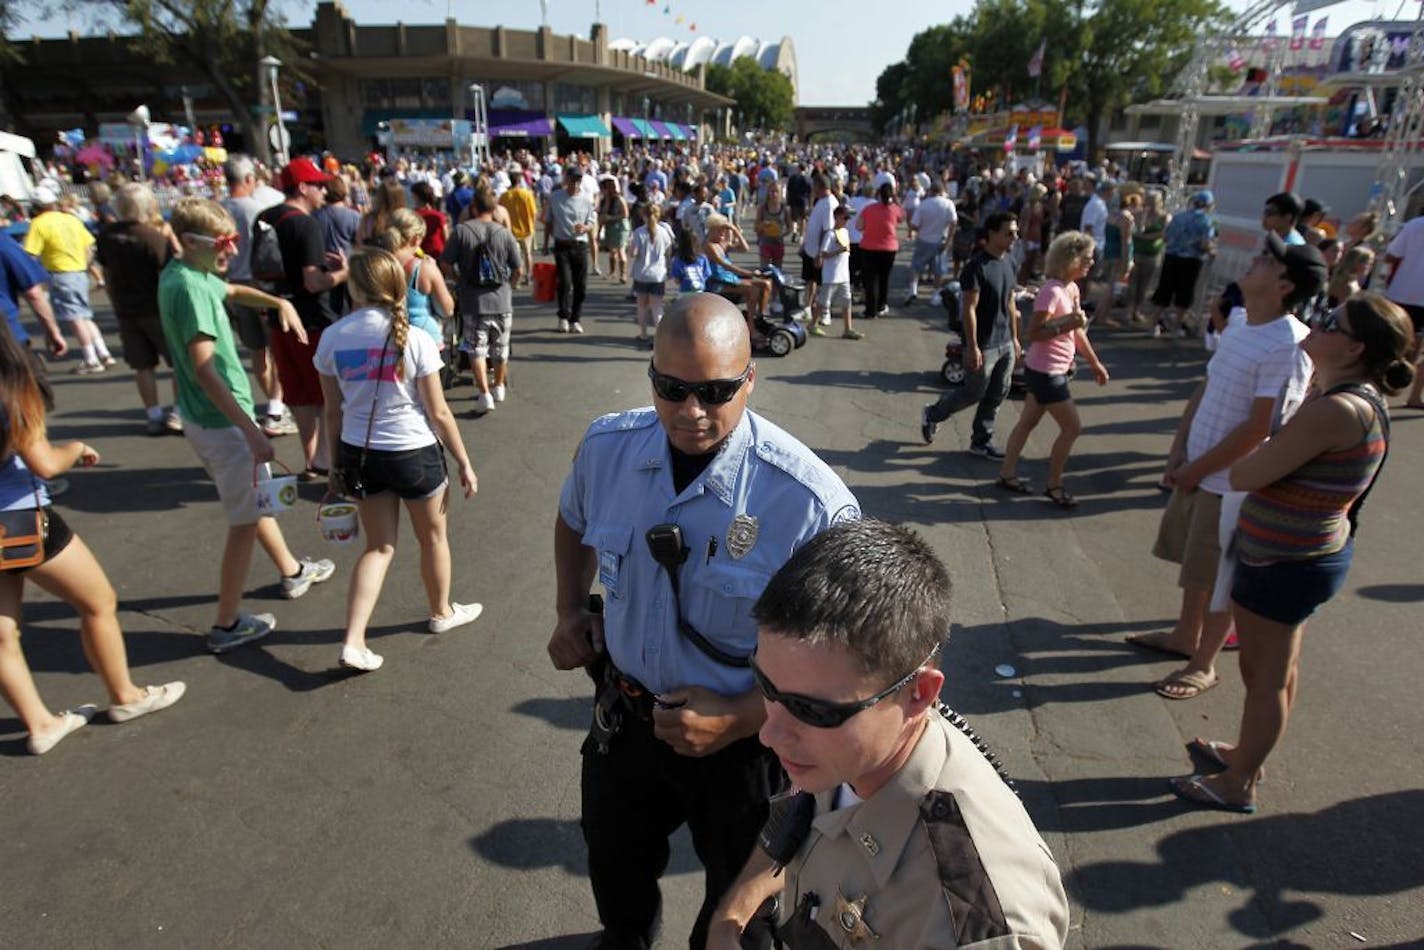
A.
pixel 1289 592
pixel 411 474
pixel 653 288
pixel 1046 388
pixel 69 295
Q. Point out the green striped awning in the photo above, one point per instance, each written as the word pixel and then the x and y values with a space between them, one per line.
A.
pixel 584 127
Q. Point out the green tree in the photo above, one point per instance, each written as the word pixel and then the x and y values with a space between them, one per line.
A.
pixel 1130 50
pixel 223 40
pixel 764 97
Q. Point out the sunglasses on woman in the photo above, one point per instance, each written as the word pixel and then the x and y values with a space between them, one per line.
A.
pixel 713 392
pixel 1330 323
pixel 823 713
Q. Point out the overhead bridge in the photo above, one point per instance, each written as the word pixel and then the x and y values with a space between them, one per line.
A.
pixel 833 123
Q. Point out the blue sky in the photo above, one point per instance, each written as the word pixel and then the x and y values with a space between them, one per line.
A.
pixel 839 49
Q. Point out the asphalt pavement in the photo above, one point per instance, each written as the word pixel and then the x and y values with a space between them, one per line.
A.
pixel 435 803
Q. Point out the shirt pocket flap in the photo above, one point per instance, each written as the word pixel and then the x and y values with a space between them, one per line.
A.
pixel 727 580
pixel 613 538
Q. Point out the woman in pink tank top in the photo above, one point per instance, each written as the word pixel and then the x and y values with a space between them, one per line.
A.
pixel 1057 333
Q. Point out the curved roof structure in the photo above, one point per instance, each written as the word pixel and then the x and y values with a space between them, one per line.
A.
pixel 706 51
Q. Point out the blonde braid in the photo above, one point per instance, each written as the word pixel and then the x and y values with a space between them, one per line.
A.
pixel 400 330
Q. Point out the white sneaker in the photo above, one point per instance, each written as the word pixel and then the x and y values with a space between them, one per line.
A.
pixel 463 614
pixel 563 325
pixel 498 393
pixel 154 699
pixel 311 572
pixel 484 402
pixel 825 319
pixel 576 327
pixel 70 720
pixel 361 658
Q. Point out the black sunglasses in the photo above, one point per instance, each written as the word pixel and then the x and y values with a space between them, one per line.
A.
pixel 713 392
pixel 822 713
pixel 1330 323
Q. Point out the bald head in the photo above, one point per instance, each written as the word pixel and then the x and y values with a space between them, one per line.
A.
pixel 703 323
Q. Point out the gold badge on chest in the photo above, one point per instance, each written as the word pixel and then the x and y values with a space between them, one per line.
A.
pixel 850 915
pixel 741 535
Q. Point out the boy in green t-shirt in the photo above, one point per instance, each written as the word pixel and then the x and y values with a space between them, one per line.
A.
pixel 216 404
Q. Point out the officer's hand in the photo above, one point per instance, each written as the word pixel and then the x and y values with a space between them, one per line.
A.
pixel 973 358
pixel 696 721
pixel 577 640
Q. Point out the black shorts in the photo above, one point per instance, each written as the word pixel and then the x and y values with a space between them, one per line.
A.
pixel 143 342
pixel 412 474
pixel 810 271
pixel 1177 285
pixel 251 325
pixel 57 537
pixel 1047 388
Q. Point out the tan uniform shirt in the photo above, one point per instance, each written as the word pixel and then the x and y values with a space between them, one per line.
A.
pixel 943 856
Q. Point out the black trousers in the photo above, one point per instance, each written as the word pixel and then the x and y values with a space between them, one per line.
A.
pixel 571 261
pixel 640 792
pixel 876 267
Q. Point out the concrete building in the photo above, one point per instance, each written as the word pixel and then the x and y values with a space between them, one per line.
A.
pixel 541 88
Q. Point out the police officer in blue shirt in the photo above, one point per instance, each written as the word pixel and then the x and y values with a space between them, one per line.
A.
pixel 681 512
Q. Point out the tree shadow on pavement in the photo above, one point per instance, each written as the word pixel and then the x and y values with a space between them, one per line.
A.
pixel 1393 593
pixel 528 844
pixel 568 942
pixel 146 489
pixel 1354 848
pixel 1041 652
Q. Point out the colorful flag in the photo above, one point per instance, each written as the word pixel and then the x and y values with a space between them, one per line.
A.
pixel 1035 138
pixel 1035 65
pixel 1317 33
pixel 677 19
pixel 1234 60
pixel 1011 140
pixel 693 28
pixel 1297 39
pixel 960 81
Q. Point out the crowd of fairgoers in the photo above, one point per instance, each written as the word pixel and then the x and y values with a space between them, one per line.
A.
pixel 998 244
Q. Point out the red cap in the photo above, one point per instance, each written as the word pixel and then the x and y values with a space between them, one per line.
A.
pixel 301 171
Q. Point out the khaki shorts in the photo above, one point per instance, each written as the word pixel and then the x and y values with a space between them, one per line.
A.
pixel 228 461
pixel 833 296
pixel 1189 535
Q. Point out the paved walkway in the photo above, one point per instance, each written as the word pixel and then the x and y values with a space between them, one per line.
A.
pixel 435 803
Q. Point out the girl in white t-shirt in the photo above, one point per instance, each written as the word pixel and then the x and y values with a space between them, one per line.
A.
pixel 381 383
pixel 1057 333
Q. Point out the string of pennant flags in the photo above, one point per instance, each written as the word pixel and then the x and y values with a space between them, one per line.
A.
pixel 677 18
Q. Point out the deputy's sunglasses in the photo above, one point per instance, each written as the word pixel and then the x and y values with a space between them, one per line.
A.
pixel 713 392
pixel 822 713
pixel 1330 323
pixel 218 242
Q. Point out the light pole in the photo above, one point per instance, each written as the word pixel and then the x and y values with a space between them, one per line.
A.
pixel 479 127
pixel 272 64
pixel 647 116
pixel 139 119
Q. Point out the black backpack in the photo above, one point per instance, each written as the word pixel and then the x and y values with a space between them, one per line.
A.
pixel 268 269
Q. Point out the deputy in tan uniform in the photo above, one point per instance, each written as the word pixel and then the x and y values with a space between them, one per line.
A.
pixel 904 834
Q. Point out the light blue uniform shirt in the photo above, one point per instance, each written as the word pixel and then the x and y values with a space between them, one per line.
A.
pixel 621 485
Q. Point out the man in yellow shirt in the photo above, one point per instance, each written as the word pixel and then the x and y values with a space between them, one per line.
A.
pixel 518 200
pixel 65 248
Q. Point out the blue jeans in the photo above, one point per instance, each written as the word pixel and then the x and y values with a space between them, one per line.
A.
pixel 988 387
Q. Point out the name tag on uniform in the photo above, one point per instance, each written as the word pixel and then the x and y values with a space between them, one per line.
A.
pixel 608 564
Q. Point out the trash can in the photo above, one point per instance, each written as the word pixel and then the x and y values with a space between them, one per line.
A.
pixel 545 282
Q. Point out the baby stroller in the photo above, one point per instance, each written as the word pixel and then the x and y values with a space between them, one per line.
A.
pixel 453 351
pixel 788 302
pixel 952 370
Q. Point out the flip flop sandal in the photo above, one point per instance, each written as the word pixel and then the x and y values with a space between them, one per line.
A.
pixel 1013 484
pixel 1157 641
pixel 1060 497
pixel 1191 685
pixel 1209 751
pixel 1194 791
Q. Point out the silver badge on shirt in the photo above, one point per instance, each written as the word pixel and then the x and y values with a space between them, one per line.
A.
pixel 741 536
